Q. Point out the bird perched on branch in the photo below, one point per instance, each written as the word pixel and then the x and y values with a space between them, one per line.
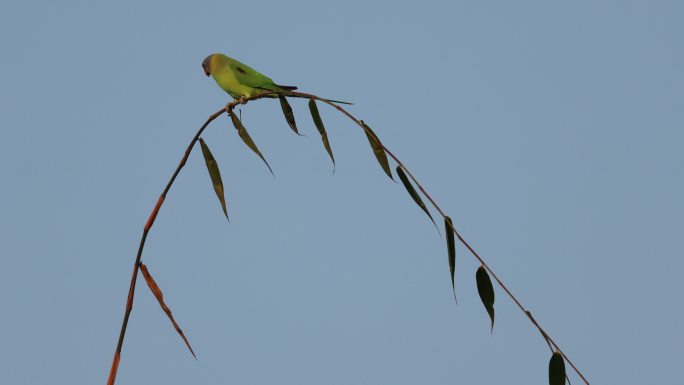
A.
pixel 242 81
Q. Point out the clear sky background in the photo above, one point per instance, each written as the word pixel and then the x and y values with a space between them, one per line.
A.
pixel 551 132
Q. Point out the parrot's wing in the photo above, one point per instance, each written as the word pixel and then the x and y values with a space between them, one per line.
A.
pixel 247 76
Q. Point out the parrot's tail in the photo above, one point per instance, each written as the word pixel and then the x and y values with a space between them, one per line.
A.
pixel 289 88
pixel 292 88
pixel 340 102
pixel 327 100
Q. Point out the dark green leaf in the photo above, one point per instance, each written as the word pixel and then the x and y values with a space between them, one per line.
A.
pixel 451 246
pixel 413 193
pixel 557 369
pixel 486 291
pixel 379 152
pixel 244 135
pixel 321 129
pixel 215 175
pixel 289 115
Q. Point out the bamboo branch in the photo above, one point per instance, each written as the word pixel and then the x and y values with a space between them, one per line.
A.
pixel 527 313
pixel 141 246
pixel 229 109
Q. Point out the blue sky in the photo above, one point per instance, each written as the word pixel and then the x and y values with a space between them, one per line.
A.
pixel 551 133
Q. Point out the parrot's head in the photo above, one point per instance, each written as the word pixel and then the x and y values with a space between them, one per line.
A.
pixel 206 65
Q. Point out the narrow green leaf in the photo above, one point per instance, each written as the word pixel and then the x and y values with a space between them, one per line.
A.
pixel 451 246
pixel 486 291
pixel 214 174
pixel 244 135
pixel 321 129
pixel 379 152
pixel 413 193
pixel 556 369
pixel 289 115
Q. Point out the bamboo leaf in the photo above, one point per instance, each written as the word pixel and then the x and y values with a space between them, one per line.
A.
pixel 557 369
pixel 289 115
pixel 413 193
pixel 486 291
pixel 451 246
pixel 378 150
pixel 244 135
pixel 214 174
pixel 321 129
pixel 160 297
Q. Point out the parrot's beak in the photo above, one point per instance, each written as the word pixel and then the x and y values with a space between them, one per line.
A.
pixel 206 72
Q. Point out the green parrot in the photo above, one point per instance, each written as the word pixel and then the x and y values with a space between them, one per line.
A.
pixel 240 80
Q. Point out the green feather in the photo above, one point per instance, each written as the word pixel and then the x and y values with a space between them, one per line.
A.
pixel 241 80
pixel 238 79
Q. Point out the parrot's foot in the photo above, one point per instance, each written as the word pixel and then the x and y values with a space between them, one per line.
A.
pixel 242 100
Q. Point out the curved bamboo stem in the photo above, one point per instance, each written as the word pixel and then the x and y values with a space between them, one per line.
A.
pixel 229 109
pixel 141 246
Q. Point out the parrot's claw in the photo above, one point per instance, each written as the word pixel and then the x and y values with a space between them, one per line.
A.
pixel 242 100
